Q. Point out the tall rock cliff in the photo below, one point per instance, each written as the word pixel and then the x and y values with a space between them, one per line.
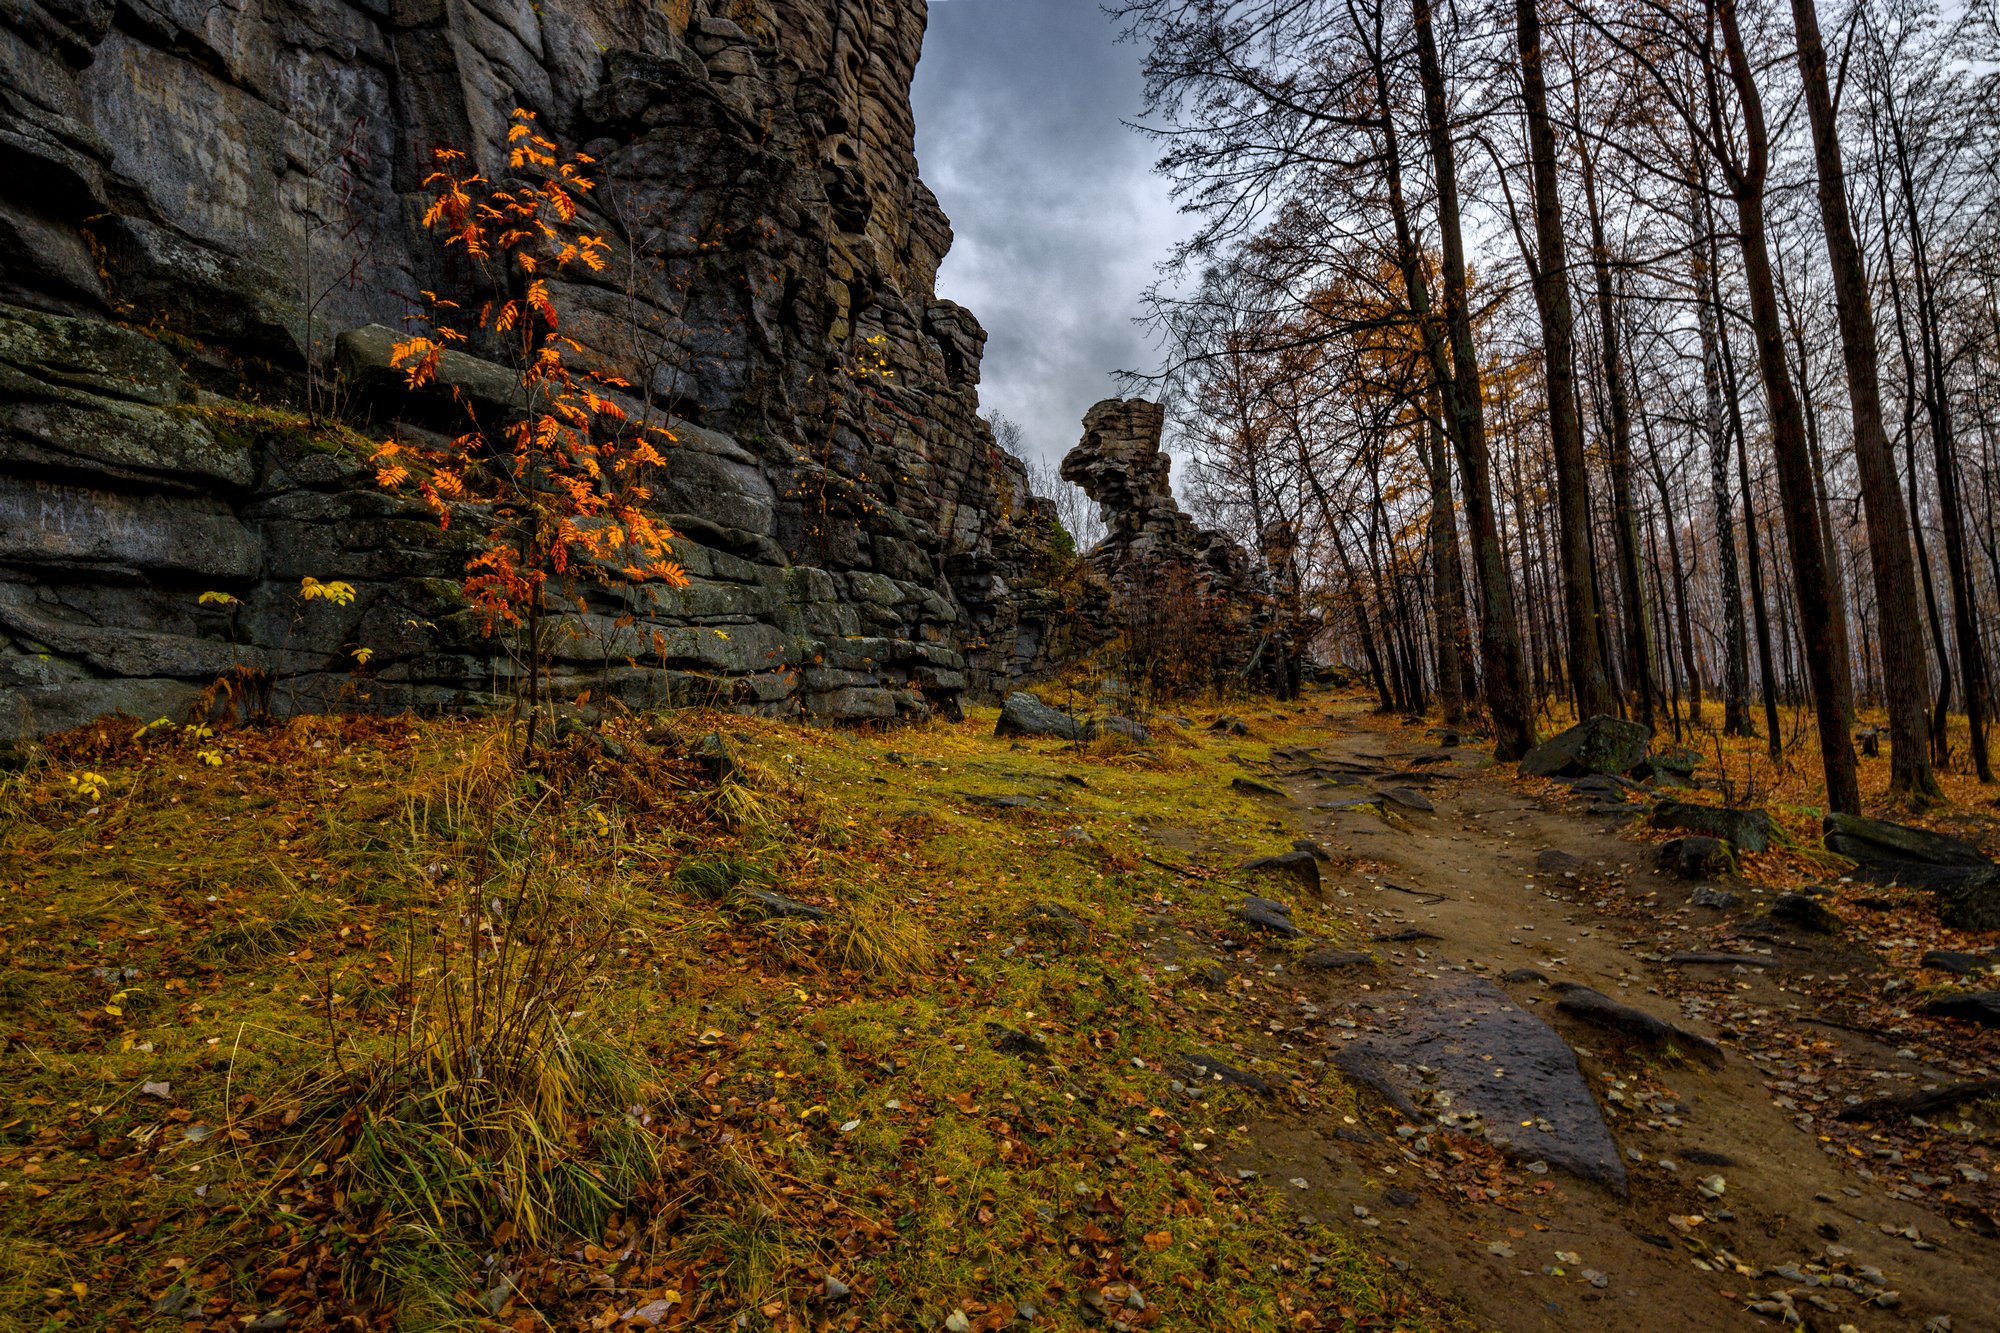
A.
pixel 199 200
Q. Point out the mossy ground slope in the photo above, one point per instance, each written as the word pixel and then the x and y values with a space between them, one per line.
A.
pixel 357 1023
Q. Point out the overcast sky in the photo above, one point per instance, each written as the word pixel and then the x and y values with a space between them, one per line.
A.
pixel 1058 216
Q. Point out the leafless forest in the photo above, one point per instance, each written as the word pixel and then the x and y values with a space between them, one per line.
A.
pixel 1638 356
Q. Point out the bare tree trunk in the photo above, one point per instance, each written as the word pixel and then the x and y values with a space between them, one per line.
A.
pixel 1448 581
pixel 1944 447
pixel 1632 589
pixel 1736 649
pixel 1500 633
pixel 1941 707
pixel 1753 550
pixel 1549 270
pixel 1827 656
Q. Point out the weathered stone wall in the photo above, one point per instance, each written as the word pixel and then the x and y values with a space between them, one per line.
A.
pixel 195 197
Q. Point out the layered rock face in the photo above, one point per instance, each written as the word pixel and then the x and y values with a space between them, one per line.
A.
pixel 196 200
pixel 1177 587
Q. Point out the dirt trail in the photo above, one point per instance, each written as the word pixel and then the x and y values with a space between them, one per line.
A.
pixel 1534 1250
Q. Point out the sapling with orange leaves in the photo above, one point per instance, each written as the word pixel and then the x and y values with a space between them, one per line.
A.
pixel 563 482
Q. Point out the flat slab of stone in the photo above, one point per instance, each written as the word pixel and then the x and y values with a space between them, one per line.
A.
pixel 1409 936
pixel 1408 799
pixel 1499 1063
pixel 1718 960
pixel 1876 842
pixel 1600 1010
pixel 1252 788
pixel 1329 960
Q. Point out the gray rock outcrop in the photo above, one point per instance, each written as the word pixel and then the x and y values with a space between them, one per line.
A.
pixel 243 184
pixel 1597 745
pixel 1178 590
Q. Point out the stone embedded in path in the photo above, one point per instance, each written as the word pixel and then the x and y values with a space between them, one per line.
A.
pixel 1599 785
pixel 1697 857
pixel 1522 976
pixel 1407 936
pixel 1025 715
pixel 1981 1007
pixel 1329 960
pixel 1745 830
pixel 1600 744
pixel 1406 798
pixel 1600 1010
pixel 1719 899
pixel 1265 914
pixel 1805 912
pixel 1707 959
pixel 1298 865
pixel 1252 788
pixel 1497 1061
pixel 1553 862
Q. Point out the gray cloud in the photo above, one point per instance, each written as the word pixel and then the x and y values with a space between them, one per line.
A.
pixel 1058 217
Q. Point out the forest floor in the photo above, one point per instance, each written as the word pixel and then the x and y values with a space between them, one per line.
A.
pixel 722 1023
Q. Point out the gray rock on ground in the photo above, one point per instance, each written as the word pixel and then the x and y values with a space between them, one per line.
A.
pixel 1298 865
pixel 1211 1070
pixel 1966 882
pixel 1266 914
pixel 1407 798
pixel 1332 960
pixel 775 904
pixel 1498 1061
pixel 1805 912
pixel 1956 963
pixel 1981 1007
pixel 1600 1010
pixel 1877 842
pixel 1024 715
pixel 1551 861
pixel 1600 744
pixel 1697 857
pixel 1745 830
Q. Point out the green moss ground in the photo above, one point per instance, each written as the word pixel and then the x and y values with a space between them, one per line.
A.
pixel 777 1124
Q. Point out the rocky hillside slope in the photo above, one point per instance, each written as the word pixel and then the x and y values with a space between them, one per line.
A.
pixel 198 200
